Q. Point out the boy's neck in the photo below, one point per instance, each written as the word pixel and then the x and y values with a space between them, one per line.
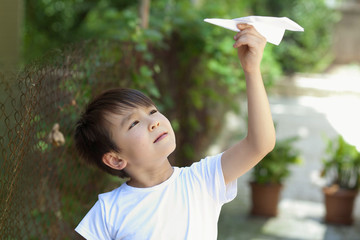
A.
pixel 151 178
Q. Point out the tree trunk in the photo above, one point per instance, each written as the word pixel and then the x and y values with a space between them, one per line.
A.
pixel 144 13
pixel 10 25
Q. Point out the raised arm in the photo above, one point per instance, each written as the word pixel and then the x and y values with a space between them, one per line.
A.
pixel 260 138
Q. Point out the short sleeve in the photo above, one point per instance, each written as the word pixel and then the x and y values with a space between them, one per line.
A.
pixel 209 169
pixel 93 225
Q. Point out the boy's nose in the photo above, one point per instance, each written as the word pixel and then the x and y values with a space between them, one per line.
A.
pixel 154 125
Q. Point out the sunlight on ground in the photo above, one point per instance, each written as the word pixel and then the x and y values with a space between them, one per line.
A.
pixel 302 219
pixel 342 106
pixel 342 112
pixel 340 79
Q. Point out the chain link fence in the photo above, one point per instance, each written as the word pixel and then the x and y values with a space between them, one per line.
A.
pixel 45 190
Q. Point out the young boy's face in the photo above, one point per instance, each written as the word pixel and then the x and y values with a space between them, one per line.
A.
pixel 144 135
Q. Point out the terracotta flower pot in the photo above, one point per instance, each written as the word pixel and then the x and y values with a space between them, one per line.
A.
pixel 265 199
pixel 339 205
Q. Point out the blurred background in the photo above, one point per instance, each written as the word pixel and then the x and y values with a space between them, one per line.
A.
pixel 55 55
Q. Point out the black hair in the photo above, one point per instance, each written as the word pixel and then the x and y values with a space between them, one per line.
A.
pixel 92 133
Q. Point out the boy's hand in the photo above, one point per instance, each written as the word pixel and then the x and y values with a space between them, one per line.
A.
pixel 250 45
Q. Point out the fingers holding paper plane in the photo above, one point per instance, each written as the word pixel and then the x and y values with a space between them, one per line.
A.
pixel 250 44
pixel 272 28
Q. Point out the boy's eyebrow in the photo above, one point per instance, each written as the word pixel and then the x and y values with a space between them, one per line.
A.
pixel 126 119
pixel 131 114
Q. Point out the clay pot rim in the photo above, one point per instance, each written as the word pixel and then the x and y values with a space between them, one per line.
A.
pixel 265 184
pixel 336 190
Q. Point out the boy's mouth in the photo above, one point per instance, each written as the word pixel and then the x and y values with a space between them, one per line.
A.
pixel 161 136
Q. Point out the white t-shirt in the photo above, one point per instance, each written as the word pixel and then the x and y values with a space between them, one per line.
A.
pixel 186 206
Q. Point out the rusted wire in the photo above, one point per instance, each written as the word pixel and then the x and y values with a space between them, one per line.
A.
pixel 44 189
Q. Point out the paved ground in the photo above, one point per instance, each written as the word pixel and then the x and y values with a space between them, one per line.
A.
pixel 311 107
pixel 297 220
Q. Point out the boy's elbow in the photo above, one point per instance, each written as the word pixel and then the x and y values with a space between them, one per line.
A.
pixel 262 145
pixel 271 142
pixel 268 144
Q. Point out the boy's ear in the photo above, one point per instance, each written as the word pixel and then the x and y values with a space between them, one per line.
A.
pixel 114 161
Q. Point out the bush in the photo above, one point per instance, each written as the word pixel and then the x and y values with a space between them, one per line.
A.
pixel 275 167
pixel 342 164
pixel 307 51
pixel 187 66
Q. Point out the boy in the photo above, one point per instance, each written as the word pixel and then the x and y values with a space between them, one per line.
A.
pixel 124 134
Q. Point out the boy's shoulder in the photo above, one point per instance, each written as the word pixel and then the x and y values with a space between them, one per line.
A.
pixel 125 191
pixel 113 194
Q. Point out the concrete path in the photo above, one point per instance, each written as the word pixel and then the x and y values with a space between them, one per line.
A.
pixel 311 107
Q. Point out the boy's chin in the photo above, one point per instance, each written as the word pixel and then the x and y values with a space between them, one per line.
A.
pixel 170 148
pixel 173 150
pixel 171 155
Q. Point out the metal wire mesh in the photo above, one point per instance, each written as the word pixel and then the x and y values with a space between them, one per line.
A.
pixel 44 189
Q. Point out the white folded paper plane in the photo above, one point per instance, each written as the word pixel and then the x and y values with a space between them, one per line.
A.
pixel 272 28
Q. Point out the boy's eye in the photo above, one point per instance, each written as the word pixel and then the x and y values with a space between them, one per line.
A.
pixel 133 124
pixel 153 111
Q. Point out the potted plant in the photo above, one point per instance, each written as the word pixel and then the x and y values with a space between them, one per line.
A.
pixel 268 176
pixel 342 173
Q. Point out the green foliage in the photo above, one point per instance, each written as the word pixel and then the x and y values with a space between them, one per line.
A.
pixel 188 67
pixel 342 164
pixel 274 168
pixel 52 23
pixel 179 60
pixel 308 51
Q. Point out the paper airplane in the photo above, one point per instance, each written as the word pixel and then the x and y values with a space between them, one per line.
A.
pixel 272 28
